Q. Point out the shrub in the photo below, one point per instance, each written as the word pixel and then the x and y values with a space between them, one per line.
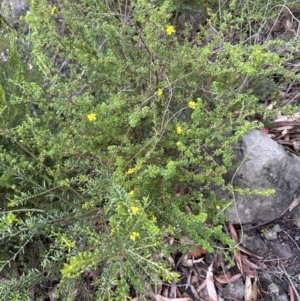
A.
pixel 116 138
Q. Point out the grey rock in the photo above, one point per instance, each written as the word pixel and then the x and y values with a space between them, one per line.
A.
pixel 276 293
pixel 12 10
pixel 283 251
pixel 265 165
pixel 273 289
pixel 295 216
pixel 271 233
pixel 235 290
pixel 253 243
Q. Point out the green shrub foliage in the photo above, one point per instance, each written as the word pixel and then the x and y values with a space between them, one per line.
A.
pixel 116 126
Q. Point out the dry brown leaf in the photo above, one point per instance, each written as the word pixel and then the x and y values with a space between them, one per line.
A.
pixel 189 210
pixel 227 278
pixel 242 249
pixel 249 272
pixel 294 204
pixel 234 299
pixel 75 290
pixel 284 128
pixel 288 26
pixel 165 292
pixel 219 260
pixel 179 190
pixel 254 293
pixel 224 278
pixel 248 289
pixel 286 137
pixel 157 297
pixel 135 299
pixel 198 252
pixel 250 264
pixel 52 296
pixel 201 286
pixel 210 285
pixel 282 118
pixel 237 255
pixel 189 262
pixel 285 99
pixel 292 295
pixel 286 123
pixel 238 260
pixel 233 233
pixel 296 116
pixel 284 133
pixel 173 289
pixel 296 145
pixel 169 240
pixel 171 262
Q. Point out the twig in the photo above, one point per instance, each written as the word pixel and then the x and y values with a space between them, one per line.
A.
pixel 292 241
pixel 290 281
pixel 291 292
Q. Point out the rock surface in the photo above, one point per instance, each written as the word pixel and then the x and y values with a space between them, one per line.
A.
pixel 295 216
pixel 235 290
pixel 282 251
pixel 265 165
pixel 253 243
pixel 11 10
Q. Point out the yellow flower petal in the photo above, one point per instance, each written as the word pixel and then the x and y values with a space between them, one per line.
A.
pixel 170 30
pixel 178 129
pixel 53 10
pixel 134 236
pixel 159 92
pixel 130 171
pixel 135 209
pixel 92 117
pixel 192 105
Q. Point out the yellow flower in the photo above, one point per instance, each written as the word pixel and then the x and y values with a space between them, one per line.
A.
pixel 159 92
pixel 170 30
pixel 132 192
pixel 218 207
pixel 134 236
pixel 53 10
pixel 153 217
pixel 179 130
pixel 130 171
pixel 92 117
pixel 192 105
pixel 135 209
